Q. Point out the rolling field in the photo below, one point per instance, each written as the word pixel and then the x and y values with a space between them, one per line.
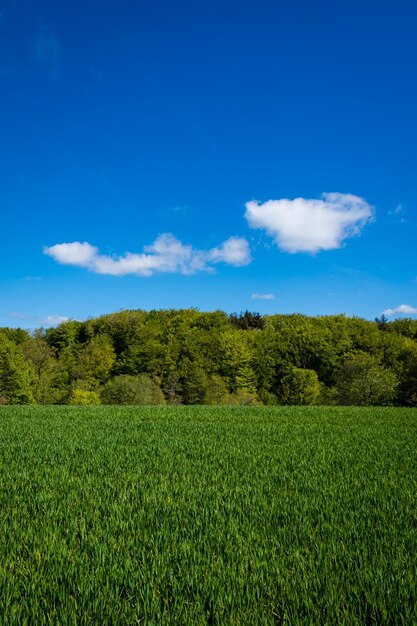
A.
pixel 206 515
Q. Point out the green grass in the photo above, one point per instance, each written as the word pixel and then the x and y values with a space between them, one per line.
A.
pixel 202 515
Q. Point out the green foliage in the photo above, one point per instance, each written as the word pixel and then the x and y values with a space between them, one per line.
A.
pixel 217 390
pixel 84 397
pixel 247 320
pixel 192 355
pixel 64 335
pixel 236 357
pixel 43 368
pixel 193 383
pixel 407 373
pixel 95 361
pixel 241 398
pixel 125 389
pixel 15 335
pixel 15 380
pixel 202 515
pixel 173 388
pixel 265 359
pixel 405 326
pixel 300 386
pixel 362 381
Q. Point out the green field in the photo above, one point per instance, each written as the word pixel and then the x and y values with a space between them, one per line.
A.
pixel 202 515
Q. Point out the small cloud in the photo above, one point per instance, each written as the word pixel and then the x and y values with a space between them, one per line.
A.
pixel 48 50
pixel 33 278
pixel 166 255
pixel 75 253
pixel 263 296
pixel 398 209
pixel 403 309
pixel 396 212
pixel 309 225
pixel 235 251
pixel 20 316
pixel 54 320
pixel 181 209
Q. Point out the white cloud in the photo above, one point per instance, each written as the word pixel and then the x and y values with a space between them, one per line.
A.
pixel 263 296
pixel 309 225
pixel 166 255
pixel 54 320
pixel 75 253
pixel 405 309
pixel 233 251
pixel 397 213
pixel 50 320
pixel 20 316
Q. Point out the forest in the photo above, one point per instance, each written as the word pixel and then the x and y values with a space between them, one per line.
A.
pixel 192 357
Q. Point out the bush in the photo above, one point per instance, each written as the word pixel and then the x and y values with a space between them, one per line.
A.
pixel 82 397
pixel 126 389
pixel 299 387
pixel 242 398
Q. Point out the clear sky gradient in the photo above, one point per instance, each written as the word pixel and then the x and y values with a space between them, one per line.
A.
pixel 165 142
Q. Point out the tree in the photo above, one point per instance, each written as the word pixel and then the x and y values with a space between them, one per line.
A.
pixel 172 387
pixel 217 391
pixel 236 361
pixel 247 320
pixel 43 367
pixel 362 381
pixel 194 383
pixel 407 365
pixel 95 360
pixel 382 322
pixel 64 335
pixel 265 354
pixel 15 380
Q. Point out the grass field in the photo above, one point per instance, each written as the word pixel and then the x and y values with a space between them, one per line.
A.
pixel 202 515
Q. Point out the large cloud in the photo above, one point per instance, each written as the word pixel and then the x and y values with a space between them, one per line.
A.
pixel 166 255
pixel 404 309
pixel 308 225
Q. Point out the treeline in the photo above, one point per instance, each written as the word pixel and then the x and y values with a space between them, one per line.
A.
pixel 190 357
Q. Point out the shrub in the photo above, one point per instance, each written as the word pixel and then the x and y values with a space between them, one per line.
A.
pixel 126 389
pixel 83 397
pixel 300 386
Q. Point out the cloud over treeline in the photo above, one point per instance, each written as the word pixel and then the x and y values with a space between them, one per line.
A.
pixel 166 255
pixel 403 309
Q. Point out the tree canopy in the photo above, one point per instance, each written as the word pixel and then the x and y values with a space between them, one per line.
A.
pixel 191 357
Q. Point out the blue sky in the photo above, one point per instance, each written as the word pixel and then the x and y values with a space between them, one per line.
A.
pixel 175 154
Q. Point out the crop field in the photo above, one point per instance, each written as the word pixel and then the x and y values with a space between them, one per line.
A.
pixel 208 515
